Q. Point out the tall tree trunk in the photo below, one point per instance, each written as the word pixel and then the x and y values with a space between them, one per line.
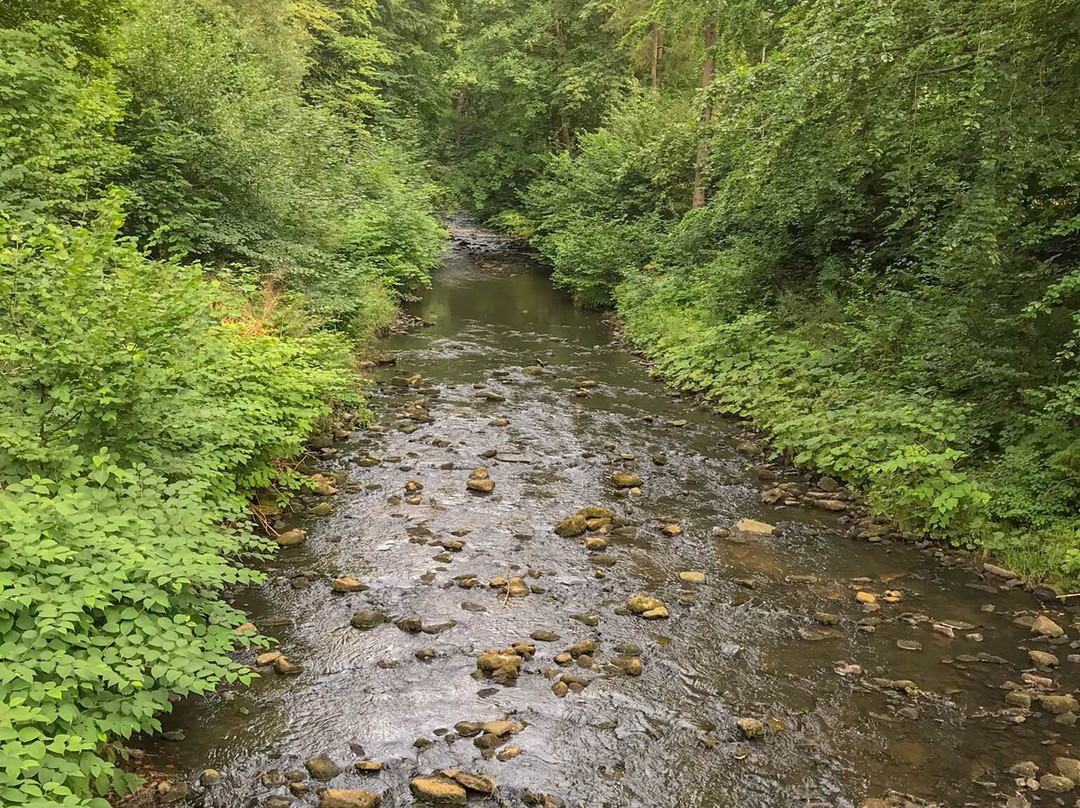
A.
pixel 564 127
pixel 706 115
pixel 564 131
pixel 657 52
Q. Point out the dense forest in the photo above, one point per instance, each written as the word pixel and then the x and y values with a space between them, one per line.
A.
pixel 854 222
pixel 206 205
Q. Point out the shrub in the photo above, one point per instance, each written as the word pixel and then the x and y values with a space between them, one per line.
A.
pixel 142 406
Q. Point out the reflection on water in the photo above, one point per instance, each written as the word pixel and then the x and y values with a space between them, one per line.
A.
pixel 764 636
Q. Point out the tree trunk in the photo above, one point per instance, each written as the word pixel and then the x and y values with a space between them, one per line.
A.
pixel 706 115
pixel 564 128
pixel 657 52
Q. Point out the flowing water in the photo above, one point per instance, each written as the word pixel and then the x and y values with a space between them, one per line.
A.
pixel 745 643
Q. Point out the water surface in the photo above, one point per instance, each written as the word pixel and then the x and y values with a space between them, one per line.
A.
pixel 743 644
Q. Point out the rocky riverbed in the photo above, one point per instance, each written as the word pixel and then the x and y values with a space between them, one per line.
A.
pixel 542 578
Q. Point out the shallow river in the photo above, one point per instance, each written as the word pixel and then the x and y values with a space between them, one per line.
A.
pixel 773 633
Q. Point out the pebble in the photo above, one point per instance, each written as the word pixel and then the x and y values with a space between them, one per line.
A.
pixel 322 768
pixel 501 728
pixel 347 583
pixel 286 668
pixel 631 666
pixel 517 588
pixel 272 779
pixel 480 783
pixel 1068 767
pixel 817 634
pixel 346 798
pixel 692 577
pixel 367 619
pixel 1056 783
pixel 750 728
pixel 641 603
pixel 291 538
pixel 1025 768
pixel 1046 627
pixel 571 526
pixel 753 526
pixel 1058 705
pixel 480 482
pixel 1043 659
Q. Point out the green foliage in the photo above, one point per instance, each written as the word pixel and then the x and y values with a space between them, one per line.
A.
pixel 94 335
pixel 198 220
pixel 104 612
pixel 598 219
pixel 57 110
pixel 233 162
pixel 883 275
pixel 142 406
pixel 903 449
pixel 530 75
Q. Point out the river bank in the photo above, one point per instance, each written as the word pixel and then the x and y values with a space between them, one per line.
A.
pixel 438 625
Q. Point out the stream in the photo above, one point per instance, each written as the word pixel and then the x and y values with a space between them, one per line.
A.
pixel 872 668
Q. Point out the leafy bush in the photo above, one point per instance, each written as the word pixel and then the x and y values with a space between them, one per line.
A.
pixel 142 407
pixel 883 272
pixel 105 611
pixel 99 343
pixel 230 164
pixel 143 402
pixel 57 110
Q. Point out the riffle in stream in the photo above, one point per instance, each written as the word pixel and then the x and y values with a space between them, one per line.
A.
pixel 855 700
